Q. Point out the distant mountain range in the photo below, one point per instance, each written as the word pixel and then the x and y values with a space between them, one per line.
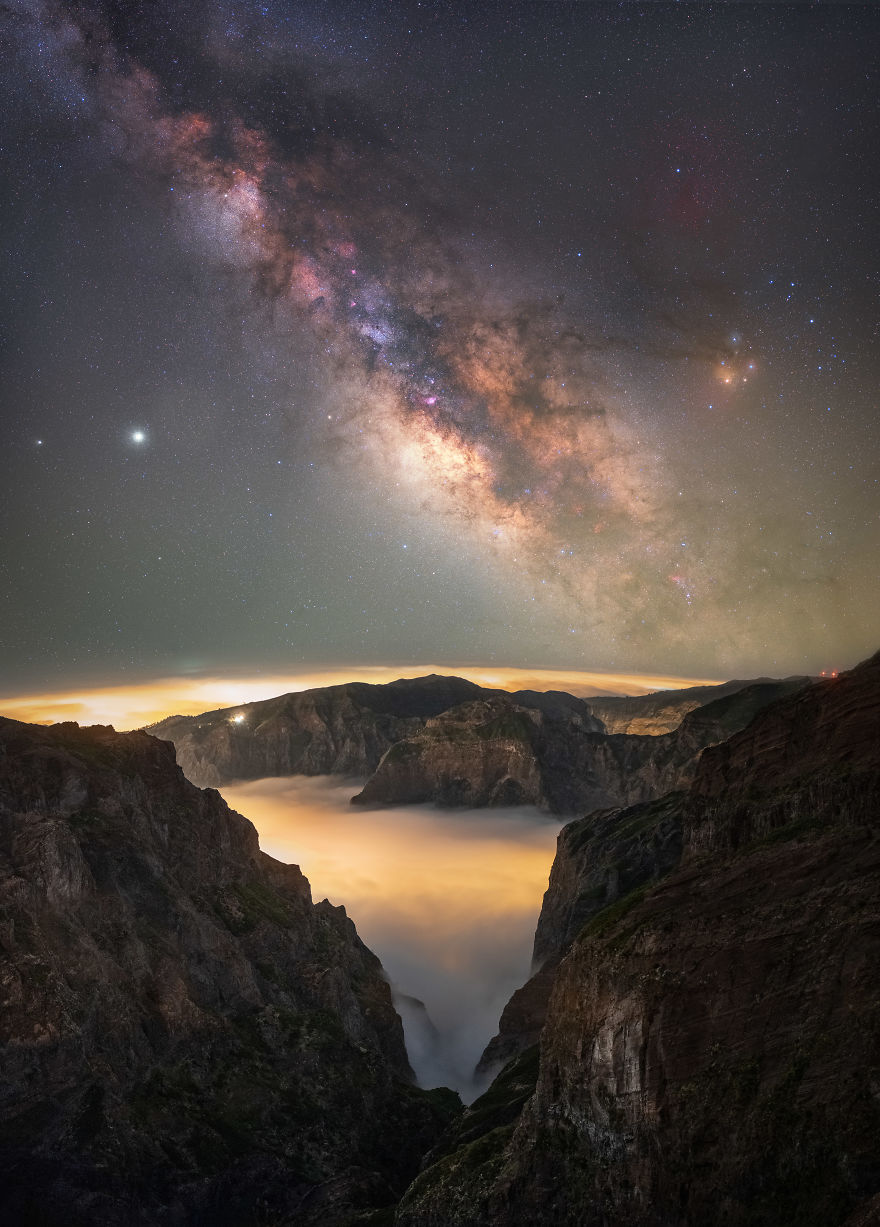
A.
pixel 451 742
pixel 188 1039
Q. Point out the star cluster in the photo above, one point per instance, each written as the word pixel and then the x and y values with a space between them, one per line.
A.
pixel 522 334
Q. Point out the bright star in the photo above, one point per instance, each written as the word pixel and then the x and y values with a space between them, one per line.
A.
pixel 138 436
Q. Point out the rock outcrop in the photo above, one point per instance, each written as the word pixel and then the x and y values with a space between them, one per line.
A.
pixel 491 752
pixel 186 1038
pixel 711 1049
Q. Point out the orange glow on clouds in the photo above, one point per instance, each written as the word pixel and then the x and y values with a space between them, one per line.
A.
pixel 358 857
pixel 137 704
pixel 448 899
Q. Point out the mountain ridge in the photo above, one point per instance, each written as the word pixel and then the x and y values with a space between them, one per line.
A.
pixel 497 752
pixel 449 741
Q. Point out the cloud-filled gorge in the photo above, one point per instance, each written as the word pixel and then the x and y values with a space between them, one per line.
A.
pixel 448 900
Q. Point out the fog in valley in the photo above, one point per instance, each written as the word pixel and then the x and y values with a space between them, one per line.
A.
pixel 448 900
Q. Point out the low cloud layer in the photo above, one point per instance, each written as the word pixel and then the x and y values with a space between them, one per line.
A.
pixel 447 899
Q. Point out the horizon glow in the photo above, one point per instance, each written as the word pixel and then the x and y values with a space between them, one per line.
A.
pixel 136 705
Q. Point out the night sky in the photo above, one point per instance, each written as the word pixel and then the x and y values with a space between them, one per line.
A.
pixel 539 334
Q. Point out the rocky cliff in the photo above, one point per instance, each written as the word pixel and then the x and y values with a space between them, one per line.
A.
pixel 711 1049
pixel 186 1038
pixel 491 752
pixel 451 742
pixel 341 730
pixel 498 751
pixel 599 859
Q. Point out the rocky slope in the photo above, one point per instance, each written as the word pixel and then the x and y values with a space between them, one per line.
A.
pixel 500 752
pixel 186 1038
pixel 711 1050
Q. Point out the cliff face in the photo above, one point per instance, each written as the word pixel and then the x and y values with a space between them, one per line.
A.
pixel 500 752
pixel 599 859
pixel 186 1038
pixel 711 1050
pixel 451 742
pixel 342 730
pixel 490 752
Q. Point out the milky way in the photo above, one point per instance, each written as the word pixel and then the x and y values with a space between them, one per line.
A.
pixel 491 413
pixel 610 452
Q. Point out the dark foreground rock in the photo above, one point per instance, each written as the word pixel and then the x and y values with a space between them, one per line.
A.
pixel 186 1038
pixel 711 1049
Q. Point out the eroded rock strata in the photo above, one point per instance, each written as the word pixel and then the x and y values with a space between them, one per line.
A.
pixel 186 1038
pixel 711 1050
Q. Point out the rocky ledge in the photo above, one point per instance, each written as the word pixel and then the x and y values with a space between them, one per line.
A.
pixel 186 1038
